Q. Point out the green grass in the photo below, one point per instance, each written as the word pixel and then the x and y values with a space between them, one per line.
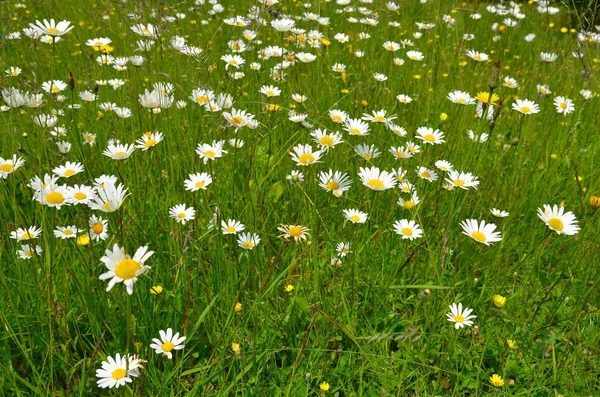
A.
pixel 373 325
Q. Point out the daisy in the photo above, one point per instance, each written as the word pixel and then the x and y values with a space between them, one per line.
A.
pixel 430 136
pixel 295 176
pixel 8 166
pixel 564 105
pixel 391 46
pixel 477 56
pixel 559 221
pixel 238 118
pixel 121 268
pixel 109 197
pixel 167 343
pixel 427 174
pixel 98 228
pixel 299 98
pixel 483 233
pixel 334 182
pixel 499 213
pixel 26 234
pixel 408 230
pixel 375 179
pixel 198 181
pixel 355 216
pixel 68 170
pixel 338 116
pixel 399 174
pixel 303 155
pixel 231 226
pixel 119 151
pixel 297 232
pixel 410 203
pixel 459 317
pixel 149 140
pixel 548 57
pixel 403 98
pixel 343 249
pixel 460 97
pixel 54 86
pixel 477 138
pixel 145 30
pixel 415 55
pixel 367 152
pixel 325 139
pixel 182 214
pixel 118 371
pixel 283 25
pixel 463 180
pixel 248 240
pixel 52 196
pixel 444 165
pixel 356 127
pixel 80 194
pixel 526 106
pixel 377 117
pixel 52 28
pixel 232 60
pixel 28 252
pixel 66 232
pixel 210 152
pixel 270 91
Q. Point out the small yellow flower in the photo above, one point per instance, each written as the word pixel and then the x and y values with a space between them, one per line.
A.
pixel 84 239
pixel 564 30
pixel 289 288
pixel 364 103
pixel 554 156
pixel 156 290
pixel 236 348
pixel 238 307
pixel 325 42
pixel 443 116
pixel 497 380
pixel 417 76
pixel 499 300
pixel 595 201
pixel 324 386
pixel 512 345
pixel 345 91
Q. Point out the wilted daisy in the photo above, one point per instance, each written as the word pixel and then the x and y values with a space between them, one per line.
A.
pixel 477 138
pixel 463 180
pixel 167 343
pixel 558 220
pixel 66 232
pixel 499 213
pixel 231 226
pixel 118 371
pixel 564 105
pixel 525 106
pixel 480 232
pixel 122 268
pixel 26 234
pixel 375 179
pixel 430 136
pixel 304 155
pixel 182 214
pixel 297 232
pixel 459 317
pixel 408 230
pixel 248 240
pixel 355 216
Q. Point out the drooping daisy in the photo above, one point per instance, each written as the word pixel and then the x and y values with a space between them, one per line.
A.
pixel 26 234
pixel 396 129
pixel 480 232
pixel 430 136
pixel 212 151
pixel 167 343
pixel 304 155
pixel 231 226
pixel 459 317
pixel 334 182
pixel 119 151
pixel 68 169
pixel 182 214
pixel 408 230
pixel 477 138
pixel 248 240
pixel 526 106
pixel 118 371
pixel 122 268
pixel 28 252
pixel 355 216
pixel 297 232
pixel 499 213
pixel 98 228
pixel 198 181
pixel 375 179
pixel 556 219
pixel 564 105
pixel 66 232
pixel 463 180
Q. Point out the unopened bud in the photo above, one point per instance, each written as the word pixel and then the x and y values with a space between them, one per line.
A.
pixel 71 81
pixel 493 82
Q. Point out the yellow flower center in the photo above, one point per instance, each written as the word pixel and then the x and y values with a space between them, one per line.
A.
pixel 28 253
pixel 426 174
pixel 556 224
pixel 326 140
pixel 202 99
pixel 150 143
pixel 409 204
pixel 68 232
pixel 295 231
pixel 355 131
pixel 248 244
pixel 98 228
pixel 230 229
pixel 53 31
pixel 118 373
pixel 429 138
pixel 525 109
pixel 367 156
pixel 333 185
pixel 127 269
pixel 26 236
pixel 120 154
pixel 337 118
pixel 407 231
pixel 462 100
pixel 479 237
pixel 80 196
pixel 306 158
pixel 54 89
pixel 458 182
pixel 181 215
pixel 199 185
pixel 209 153
pixel 168 346
pixel 563 105
pixel 459 318
pixel 235 46
pixel 55 198
pixel 375 184
pixel 270 93
pixel 355 218
pixel 379 119
pixel 6 167
pixel 69 172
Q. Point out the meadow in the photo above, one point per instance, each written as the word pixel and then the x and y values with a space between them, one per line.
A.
pixel 299 198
